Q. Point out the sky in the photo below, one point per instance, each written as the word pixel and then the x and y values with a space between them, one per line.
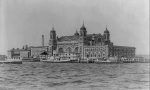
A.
pixel 24 21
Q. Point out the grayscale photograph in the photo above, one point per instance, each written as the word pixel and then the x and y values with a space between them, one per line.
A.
pixel 74 45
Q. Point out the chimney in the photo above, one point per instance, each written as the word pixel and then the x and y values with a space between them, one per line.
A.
pixel 42 40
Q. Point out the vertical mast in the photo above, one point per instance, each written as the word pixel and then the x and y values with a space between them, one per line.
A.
pixel 42 40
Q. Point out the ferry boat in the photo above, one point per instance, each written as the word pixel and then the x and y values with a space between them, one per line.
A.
pixel 11 61
pixel 56 60
pixel 99 60
pixel 102 60
pixel 31 59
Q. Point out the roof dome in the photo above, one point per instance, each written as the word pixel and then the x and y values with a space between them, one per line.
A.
pixel 106 31
pixel 83 27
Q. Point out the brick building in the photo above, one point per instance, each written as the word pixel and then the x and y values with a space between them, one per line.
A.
pixel 88 45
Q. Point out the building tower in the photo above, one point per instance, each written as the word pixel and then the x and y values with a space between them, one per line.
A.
pixel 43 40
pixel 83 31
pixel 83 34
pixel 52 41
pixel 106 36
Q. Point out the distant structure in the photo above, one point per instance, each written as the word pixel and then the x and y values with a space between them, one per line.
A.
pixel 28 52
pixel 87 45
pixel 19 53
pixel 80 43
pixel 42 40
pixel 3 57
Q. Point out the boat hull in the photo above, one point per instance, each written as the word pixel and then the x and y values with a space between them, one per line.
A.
pixel 56 61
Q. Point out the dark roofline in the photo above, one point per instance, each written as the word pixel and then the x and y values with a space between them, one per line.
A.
pixel 18 50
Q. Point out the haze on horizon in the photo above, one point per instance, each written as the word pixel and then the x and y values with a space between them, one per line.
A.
pixel 24 21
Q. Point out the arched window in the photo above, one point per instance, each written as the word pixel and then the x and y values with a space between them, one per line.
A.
pixel 91 55
pixel 68 50
pixel 99 55
pixel 60 50
pixel 76 50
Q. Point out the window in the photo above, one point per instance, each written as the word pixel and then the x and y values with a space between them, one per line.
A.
pixel 91 55
pixel 60 50
pixel 76 50
pixel 68 50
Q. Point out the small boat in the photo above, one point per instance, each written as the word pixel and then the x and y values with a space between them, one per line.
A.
pixel 61 61
pixel 30 60
pixel 50 59
pixel 56 60
pixel 74 60
pixel 11 61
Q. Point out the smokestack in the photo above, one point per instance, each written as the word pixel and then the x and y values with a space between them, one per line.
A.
pixel 42 40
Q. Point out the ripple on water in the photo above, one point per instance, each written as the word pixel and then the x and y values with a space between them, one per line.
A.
pixel 54 84
pixel 102 76
pixel 78 82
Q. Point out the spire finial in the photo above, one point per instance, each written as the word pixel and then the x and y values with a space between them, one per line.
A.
pixel 106 27
pixel 83 27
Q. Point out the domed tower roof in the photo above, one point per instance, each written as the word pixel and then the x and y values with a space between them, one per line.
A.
pixel 83 27
pixel 106 31
pixel 53 33
pixel 83 31
pixel 106 37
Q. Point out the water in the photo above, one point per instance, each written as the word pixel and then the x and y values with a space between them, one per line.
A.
pixel 74 76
